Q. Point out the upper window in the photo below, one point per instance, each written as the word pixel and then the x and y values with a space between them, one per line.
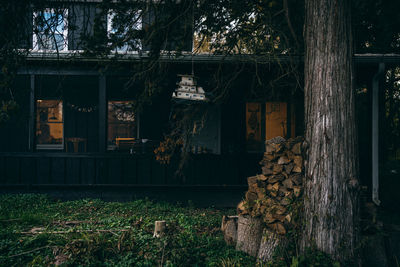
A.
pixel 49 124
pixel 123 28
pixel 50 30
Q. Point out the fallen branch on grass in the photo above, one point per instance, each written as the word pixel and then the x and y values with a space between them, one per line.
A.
pixel 112 231
pixel 29 251
pixel 72 222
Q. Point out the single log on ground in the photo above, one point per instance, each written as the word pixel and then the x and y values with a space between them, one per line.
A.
pixel 159 228
pixel 270 242
pixel 249 234
pixel 229 228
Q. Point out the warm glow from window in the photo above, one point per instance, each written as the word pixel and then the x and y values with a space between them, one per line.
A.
pixel 121 124
pixel 49 124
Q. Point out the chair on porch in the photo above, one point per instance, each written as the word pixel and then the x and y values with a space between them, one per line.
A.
pixel 74 143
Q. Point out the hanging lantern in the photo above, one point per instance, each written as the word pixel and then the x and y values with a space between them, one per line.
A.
pixel 188 89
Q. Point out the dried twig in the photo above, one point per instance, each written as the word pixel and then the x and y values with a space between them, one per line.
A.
pixel 112 231
pixel 162 255
pixel 71 222
pixel 30 251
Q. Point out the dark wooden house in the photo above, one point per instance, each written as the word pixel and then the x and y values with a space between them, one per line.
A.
pixel 76 131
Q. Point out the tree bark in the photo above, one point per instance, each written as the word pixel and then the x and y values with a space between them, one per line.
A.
pixel 331 169
pixel 270 242
pixel 249 234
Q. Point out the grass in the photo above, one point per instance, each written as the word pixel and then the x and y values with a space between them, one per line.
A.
pixel 38 231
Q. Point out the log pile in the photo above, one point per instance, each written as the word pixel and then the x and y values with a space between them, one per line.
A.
pixel 280 183
pixel 267 212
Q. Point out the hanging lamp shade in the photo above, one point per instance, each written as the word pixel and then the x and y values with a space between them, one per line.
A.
pixel 188 89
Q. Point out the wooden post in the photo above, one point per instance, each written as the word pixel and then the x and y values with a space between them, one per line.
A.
pixel 102 114
pixel 31 125
pixel 375 134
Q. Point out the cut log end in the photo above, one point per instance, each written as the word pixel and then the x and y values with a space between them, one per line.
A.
pixel 159 228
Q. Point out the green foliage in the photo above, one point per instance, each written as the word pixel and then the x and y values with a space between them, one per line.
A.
pixel 69 234
pixel 376 24
pixel 7 108
pixel 312 258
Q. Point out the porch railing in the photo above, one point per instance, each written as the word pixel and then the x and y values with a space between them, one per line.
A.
pixel 123 169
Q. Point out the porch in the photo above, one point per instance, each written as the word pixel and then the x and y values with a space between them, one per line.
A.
pixel 124 176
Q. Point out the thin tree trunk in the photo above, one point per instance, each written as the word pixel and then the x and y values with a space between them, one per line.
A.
pixel 331 187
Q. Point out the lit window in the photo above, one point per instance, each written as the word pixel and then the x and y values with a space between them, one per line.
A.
pixel 275 122
pixel 122 28
pixel 121 124
pixel 50 30
pixel 49 124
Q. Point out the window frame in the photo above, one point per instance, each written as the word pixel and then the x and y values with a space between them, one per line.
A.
pixel 137 123
pixel 290 121
pixel 35 38
pixel 51 146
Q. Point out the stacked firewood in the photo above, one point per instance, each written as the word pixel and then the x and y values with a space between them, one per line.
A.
pixel 271 193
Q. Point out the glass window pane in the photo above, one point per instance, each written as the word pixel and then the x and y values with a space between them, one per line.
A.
pixel 59 42
pixel 51 30
pixel 253 127
pixel 49 122
pixel 118 29
pixel 121 122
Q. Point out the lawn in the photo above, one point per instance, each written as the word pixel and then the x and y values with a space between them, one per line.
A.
pixel 38 231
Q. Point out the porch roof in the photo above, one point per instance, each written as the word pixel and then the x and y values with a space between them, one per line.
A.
pixel 199 58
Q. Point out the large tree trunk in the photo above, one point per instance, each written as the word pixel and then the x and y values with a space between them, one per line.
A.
pixel 331 169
